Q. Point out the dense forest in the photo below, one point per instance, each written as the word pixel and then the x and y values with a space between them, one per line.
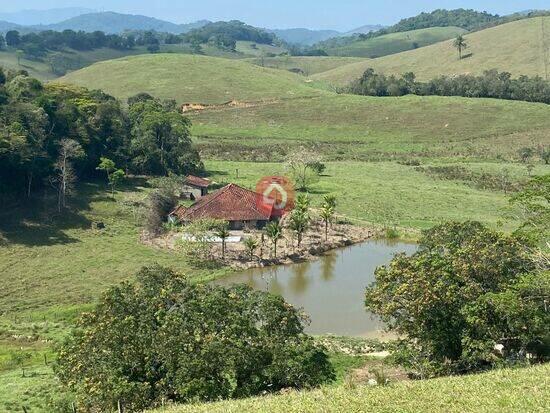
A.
pixel 53 135
pixel 492 84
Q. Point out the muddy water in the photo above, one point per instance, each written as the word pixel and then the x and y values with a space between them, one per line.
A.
pixel 331 289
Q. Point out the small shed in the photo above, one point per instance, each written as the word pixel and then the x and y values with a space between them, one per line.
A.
pixel 195 187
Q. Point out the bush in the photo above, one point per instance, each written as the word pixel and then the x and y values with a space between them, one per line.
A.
pixel 163 339
pixel 428 299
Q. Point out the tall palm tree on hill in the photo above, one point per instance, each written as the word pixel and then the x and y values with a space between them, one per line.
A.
pixel 460 44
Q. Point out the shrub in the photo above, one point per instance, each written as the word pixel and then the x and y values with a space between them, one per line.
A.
pixel 163 339
pixel 428 299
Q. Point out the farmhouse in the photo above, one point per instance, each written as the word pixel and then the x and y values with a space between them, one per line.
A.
pixel 240 207
pixel 195 188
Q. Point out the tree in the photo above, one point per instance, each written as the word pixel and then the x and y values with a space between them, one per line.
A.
pixel 299 218
pixel 327 214
pixel 460 44
pixel 160 203
pixel 274 232
pixel 161 142
pixel 2 41
pixel 114 175
pixel 526 153
pixel 301 166
pixel 424 298
pixel 12 38
pixel 534 205
pixel 19 358
pixel 222 232
pixel 544 153
pixel 66 175
pixel 251 245
pixel 164 339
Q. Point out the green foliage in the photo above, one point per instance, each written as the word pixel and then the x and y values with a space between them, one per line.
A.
pixel 274 232
pixel 251 245
pixel 460 44
pixel 491 84
pixel 299 218
pixel 226 34
pixel 160 141
pixel 424 297
pixel 534 203
pixel 160 203
pixel 164 339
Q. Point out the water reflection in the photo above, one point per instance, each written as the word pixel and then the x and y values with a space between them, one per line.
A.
pixel 331 290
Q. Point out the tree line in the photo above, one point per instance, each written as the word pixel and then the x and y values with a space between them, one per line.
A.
pixel 491 84
pixel 53 134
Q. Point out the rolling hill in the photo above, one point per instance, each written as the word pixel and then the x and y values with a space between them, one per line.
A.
pixel 308 65
pixel 520 47
pixel 395 42
pixel 190 78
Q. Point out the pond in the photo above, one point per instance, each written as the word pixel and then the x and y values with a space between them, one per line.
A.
pixel 331 289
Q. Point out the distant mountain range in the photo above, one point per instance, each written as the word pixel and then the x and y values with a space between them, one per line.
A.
pixel 75 18
pixel 40 17
pixel 364 29
pixel 306 37
pixel 111 22
pixel 108 22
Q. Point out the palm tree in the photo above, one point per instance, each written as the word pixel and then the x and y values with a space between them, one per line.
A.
pixel 250 244
pixel 460 44
pixel 223 233
pixel 274 231
pixel 327 213
pixel 299 221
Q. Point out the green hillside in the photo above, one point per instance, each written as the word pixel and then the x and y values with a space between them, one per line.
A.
pixel 396 42
pixel 190 78
pixel 519 390
pixel 309 65
pixel 521 48
pixel 358 127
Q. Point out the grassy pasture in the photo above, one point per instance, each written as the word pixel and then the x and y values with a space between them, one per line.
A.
pixel 519 390
pixel 520 47
pixel 358 127
pixel 190 78
pixel 309 65
pixel 396 42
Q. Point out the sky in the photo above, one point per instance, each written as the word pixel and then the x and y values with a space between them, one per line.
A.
pixel 316 14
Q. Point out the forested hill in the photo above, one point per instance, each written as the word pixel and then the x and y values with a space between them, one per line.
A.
pixel 229 32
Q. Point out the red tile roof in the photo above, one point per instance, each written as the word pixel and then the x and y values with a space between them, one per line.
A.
pixel 197 181
pixel 231 203
pixel 178 212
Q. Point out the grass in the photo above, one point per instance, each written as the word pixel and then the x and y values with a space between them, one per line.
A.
pixel 385 192
pixel 358 127
pixel 519 390
pixel 309 65
pixel 246 48
pixel 190 78
pixel 396 42
pixel 520 48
